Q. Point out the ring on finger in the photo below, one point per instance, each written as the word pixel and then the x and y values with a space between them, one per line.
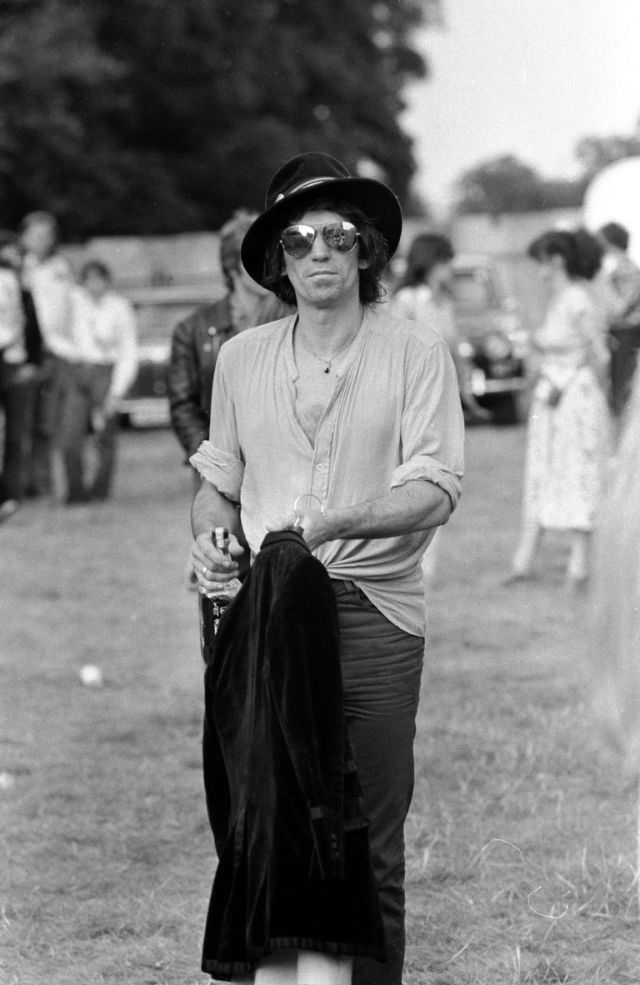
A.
pixel 205 571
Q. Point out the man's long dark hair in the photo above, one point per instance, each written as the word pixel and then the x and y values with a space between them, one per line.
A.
pixel 372 248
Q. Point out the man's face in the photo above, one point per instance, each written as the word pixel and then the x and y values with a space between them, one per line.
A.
pixel 96 285
pixel 246 284
pixel 324 277
pixel 39 238
pixel 10 253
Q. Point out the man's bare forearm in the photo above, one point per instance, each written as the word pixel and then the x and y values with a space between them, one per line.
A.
pixel 417 505
pixel 211 509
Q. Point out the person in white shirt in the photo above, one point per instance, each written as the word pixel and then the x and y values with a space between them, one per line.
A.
pixel 48 278
pixel 103 367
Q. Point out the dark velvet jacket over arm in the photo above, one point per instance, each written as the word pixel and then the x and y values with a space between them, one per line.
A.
pixel 282 790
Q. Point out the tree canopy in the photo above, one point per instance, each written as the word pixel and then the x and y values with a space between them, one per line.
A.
pixel 595 153
pixel 507 184
pixel 160 116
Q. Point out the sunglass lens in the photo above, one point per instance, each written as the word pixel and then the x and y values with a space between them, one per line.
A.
pixel 340 236
pixel 297 240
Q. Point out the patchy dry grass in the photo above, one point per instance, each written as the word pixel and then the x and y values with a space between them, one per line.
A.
pixel 521 857
pixel 520 842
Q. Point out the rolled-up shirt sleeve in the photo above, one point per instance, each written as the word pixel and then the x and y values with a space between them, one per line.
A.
pixel 432 422
pixel 219 460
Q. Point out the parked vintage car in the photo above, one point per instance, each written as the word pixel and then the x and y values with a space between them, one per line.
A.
pixel 494 341
pixel 158 311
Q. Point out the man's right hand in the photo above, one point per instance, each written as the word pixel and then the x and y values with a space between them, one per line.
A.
pixel 213 568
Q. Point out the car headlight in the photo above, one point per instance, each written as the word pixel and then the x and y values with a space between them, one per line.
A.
pixel 465 350
pixel 511 326
pixel 154 352
pixel 496 346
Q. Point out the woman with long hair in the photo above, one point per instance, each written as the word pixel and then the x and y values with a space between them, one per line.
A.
pixel 569 426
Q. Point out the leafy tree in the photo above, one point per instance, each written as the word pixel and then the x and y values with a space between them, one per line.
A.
pixel 506 184
pixel 159 116
pixel 52 80
pixel 503 184
pixel 595 153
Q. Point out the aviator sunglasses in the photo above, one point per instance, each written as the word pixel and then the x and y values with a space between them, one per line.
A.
pixel 298 239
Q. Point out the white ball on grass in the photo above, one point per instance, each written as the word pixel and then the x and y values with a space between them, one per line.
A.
pixel 91 676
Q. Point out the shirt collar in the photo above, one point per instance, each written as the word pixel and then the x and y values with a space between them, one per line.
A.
pixel 292 369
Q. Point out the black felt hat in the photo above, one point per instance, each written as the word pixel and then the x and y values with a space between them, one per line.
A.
pixel 302 179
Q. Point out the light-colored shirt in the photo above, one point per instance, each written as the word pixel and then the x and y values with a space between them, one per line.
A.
pixel 104 331
pixel 394 416
pixel 624 277
pixel 11 318
pixel 51 282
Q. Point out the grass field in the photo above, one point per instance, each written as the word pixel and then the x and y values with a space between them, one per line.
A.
pixel 521 839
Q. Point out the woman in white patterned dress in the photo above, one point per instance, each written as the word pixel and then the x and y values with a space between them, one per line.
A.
pixel 569 424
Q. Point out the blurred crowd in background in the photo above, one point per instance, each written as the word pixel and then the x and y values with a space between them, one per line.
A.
pixel 580 369
pixel 69 355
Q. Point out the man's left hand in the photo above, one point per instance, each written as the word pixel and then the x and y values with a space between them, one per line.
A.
pixel 315 525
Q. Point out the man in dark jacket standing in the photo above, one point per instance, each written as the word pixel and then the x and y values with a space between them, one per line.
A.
pixel 340 420
pixel 197 339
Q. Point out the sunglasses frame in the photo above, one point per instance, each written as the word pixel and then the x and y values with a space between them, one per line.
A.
pixel 344 225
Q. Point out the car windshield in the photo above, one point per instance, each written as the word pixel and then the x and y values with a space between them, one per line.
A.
pixel 473 287
pixel 156 321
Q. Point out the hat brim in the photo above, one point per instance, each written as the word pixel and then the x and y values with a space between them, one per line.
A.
pixel 374 198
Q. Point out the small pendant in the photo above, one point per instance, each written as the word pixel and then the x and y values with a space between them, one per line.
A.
pixel 328 368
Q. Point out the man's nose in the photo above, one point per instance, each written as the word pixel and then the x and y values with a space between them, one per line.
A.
pixel 319 249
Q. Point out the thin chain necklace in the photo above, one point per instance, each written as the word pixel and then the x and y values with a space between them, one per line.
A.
pixel 327 363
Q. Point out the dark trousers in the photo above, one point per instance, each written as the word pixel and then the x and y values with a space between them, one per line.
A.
pixel 84 389
pixel 44 425
pixel 622 368
pixel 17 393
pixel 381 668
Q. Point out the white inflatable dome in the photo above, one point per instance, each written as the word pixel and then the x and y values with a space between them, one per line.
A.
pixel 614 196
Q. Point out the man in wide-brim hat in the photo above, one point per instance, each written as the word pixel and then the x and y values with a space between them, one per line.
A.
pixel 338 419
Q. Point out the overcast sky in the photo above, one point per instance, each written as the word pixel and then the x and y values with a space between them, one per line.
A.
pixel 528 77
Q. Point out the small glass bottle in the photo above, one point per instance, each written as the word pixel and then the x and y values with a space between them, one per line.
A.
pixel 222 599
